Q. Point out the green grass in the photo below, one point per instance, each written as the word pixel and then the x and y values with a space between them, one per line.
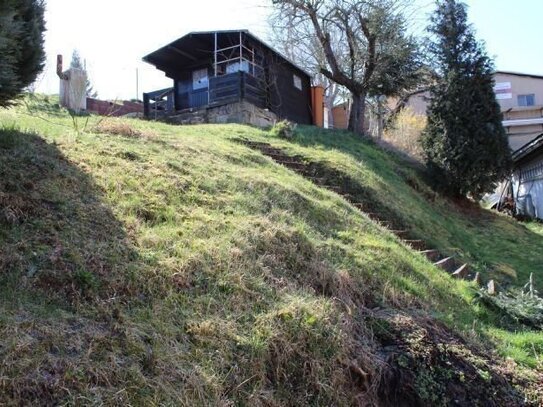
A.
pixel 535 227
pixel 176 266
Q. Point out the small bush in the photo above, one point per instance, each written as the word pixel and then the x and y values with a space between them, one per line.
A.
pixel 284 129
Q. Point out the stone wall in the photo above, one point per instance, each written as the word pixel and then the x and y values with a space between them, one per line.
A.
pixel 241 112
pixel 238 112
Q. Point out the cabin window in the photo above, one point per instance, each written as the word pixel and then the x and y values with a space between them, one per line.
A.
pixel 526 100
pixel 297 82
pixel 200 79
pixel 236 67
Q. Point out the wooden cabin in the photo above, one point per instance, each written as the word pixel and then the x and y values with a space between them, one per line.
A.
pixel 228 76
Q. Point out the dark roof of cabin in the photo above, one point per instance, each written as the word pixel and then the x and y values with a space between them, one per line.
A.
pixel 528 150
pixel 197 46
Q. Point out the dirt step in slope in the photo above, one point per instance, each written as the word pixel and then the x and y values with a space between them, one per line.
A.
pixel 303 167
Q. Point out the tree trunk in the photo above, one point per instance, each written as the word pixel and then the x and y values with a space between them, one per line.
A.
pixel 357 118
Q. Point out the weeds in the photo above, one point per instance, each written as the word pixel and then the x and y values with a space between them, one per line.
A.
pixel 283 129
pixel 523 306
pixel 120 127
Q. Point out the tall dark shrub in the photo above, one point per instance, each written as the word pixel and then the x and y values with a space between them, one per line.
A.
pixel 22 53
pixel 465 144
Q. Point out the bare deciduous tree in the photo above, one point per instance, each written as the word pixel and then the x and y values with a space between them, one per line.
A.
pixel 297 41
pixel 361 45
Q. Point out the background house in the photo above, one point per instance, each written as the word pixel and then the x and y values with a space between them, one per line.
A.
pixel 520 97
pixel 229 76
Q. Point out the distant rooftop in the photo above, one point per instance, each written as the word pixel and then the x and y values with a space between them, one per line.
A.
pixel 528 148
pixel 520 74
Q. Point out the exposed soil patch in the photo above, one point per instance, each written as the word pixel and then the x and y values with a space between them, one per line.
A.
pixel 429 365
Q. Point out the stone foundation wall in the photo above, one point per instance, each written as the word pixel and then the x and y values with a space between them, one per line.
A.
pixel 239 112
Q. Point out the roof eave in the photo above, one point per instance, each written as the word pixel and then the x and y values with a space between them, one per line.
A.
pixel 528 148
pixel 148 57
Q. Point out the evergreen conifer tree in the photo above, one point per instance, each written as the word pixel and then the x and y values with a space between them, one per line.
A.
pixel 22 54
pixel 465 144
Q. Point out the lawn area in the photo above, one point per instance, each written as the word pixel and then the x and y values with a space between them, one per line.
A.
pixel 536 227
pixel 150 264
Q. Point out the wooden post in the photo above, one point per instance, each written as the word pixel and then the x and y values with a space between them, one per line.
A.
pixel 240 51
pixel 241 85
pixel 146 105
pixel 215 53
pixel 254 73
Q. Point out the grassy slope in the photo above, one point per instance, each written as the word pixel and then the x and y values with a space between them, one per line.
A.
pixel 183 266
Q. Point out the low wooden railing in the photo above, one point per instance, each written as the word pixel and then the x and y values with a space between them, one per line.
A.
pixel 223 89
pixel 236 87
pixel 159 103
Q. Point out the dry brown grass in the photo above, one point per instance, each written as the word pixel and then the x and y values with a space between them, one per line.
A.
pixel 405 132
pixel 120 127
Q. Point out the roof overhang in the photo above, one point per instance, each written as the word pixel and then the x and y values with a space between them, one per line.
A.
pixel 529 75
pixel 185 52
pixel 528 149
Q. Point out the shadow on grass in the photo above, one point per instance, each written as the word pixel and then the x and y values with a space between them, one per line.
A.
pixel 498 247
pixel 56 233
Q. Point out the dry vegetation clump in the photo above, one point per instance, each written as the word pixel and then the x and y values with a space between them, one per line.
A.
pixel 283 129
pixel 404 133
pixel 120 127
pixel 15 209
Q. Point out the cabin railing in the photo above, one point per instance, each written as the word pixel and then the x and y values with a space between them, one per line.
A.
pixel 235 87
pixel 224 89
pixel 159 103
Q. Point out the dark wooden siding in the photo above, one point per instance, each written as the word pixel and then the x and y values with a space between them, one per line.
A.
pixel 272 87
pixel 286 100
pixel 183 87
pixel 225 89
pixel 254 91
pixel 187 97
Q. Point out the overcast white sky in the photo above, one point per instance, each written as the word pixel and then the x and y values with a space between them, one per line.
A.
pixel 113 35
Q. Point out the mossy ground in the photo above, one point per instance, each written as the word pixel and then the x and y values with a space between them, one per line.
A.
pixel 174 265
